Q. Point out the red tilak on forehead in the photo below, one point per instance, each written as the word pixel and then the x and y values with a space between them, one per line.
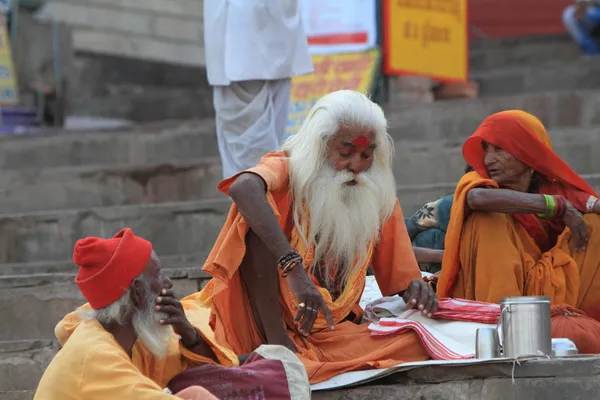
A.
pixel 361 141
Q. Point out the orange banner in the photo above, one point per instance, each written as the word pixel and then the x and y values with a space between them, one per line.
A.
pixel 354 71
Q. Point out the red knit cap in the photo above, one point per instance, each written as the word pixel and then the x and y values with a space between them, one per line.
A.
pixel 107 266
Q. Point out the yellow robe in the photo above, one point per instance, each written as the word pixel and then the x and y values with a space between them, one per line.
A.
pixel 93 366
pixel 178 359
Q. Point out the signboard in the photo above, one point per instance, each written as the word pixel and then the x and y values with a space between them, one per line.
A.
pixel 426 37
pixel 8 81
pixel 354 71
pixel 340 26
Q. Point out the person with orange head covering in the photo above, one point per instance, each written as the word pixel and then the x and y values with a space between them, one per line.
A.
pixel 135 336
pixel 523 222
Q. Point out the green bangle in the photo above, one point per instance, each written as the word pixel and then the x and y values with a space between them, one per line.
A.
pixel 550 207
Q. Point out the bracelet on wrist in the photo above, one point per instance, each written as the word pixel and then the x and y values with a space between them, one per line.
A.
pixel 550 207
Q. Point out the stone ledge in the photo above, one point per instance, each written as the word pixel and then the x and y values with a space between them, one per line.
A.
pixel 573 378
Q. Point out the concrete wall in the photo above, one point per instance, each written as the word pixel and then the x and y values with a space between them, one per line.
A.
pixel 168 31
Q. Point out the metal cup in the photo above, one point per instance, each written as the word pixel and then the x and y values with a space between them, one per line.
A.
pixel 486 346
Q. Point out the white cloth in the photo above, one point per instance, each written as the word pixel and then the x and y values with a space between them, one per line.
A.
pixel 254 39
pixel 251 118
pixel 294 370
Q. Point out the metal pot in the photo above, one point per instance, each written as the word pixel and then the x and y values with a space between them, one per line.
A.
pixel 525 326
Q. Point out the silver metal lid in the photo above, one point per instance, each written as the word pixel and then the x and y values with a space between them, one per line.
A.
pixel 525 300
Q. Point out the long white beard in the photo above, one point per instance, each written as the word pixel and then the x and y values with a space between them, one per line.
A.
pixel 345 219
pixel 154 336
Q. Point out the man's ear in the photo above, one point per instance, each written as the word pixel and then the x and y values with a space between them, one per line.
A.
pixel 137 290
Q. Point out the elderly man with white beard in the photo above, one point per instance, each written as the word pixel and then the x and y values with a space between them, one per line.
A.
pixel 290 263
pixel 124 347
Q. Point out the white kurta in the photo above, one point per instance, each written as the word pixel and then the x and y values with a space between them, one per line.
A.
pixel 253 48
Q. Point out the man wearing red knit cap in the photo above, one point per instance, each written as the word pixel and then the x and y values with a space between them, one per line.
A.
pixel 134 336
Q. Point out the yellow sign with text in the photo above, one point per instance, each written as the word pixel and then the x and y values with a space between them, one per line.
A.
pixel 354 71
pixel 426 37
pixel 8 81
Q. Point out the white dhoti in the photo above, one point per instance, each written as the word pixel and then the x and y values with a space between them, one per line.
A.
pixel 251 119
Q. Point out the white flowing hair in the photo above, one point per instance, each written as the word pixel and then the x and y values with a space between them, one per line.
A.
pixel 313 178
pixel 145 321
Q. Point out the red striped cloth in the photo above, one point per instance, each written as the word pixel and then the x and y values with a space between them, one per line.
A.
pixel 438 345
pixel 467 310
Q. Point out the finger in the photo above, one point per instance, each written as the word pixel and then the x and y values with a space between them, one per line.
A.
pixel 167 292
pixel 430 306
pixel 412 294
pixel 168 301
pixel 169 310
pixel 435 305
pixel 309 318
pixel 327 314
pixel 300 312
pixel 171 321
pixel 423 295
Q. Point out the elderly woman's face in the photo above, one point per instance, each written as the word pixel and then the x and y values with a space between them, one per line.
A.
pixel 504 168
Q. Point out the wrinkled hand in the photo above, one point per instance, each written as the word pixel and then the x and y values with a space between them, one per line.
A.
pixel 573 219
pixel 420 295
pixel 168 304
pixel 309 296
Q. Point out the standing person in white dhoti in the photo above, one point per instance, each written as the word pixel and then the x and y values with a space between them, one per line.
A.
pixel 253 49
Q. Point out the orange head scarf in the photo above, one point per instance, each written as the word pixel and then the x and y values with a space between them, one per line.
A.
pixel 523 136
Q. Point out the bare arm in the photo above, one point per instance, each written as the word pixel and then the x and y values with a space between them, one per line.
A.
pixel 428 256
pixel 506 201
pixel 248 193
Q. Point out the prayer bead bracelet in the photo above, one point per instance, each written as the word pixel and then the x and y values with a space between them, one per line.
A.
pixel 286 258
pixel 290 266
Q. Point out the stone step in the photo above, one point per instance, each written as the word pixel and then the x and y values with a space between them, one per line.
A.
pixel 512 52
pixel 443 121
pixel 580 74
pixel 173 228
pixel 108 185
pixel 22 363
pixel 428 164
pixel 114 185
pixel 53 295
pixel 454 120
pixel 159 143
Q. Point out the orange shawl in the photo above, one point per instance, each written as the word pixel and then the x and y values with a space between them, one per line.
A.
pixel 523 136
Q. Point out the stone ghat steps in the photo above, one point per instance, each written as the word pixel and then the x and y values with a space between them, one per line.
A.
pixel 22 363
pixel 454 120
pixel 105 185
pixel 444 121
pixel 38 245
pixel 568 75
pixel 108 185
pixel 174 228
pixel 48 288
pixel 512 52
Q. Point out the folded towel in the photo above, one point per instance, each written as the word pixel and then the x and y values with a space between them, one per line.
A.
pixel 443 340
pixel 449 309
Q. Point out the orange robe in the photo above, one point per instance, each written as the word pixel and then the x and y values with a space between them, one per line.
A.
pixel 492 255
pixel 325 353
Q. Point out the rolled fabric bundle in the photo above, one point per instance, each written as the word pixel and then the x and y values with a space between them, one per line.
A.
pixel 571 323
